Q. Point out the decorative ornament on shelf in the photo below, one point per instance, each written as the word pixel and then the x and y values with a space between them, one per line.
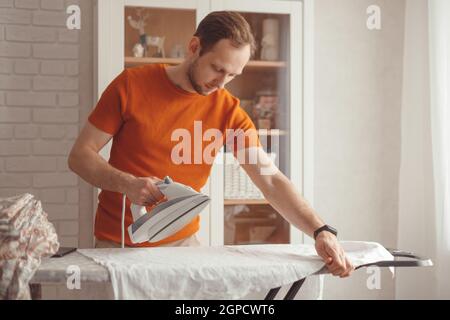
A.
pixel 177 52
pixel 138 50
pixel 270 40
pixel 264 109
pixel 158 43
pixel 139 25
pixel 145 40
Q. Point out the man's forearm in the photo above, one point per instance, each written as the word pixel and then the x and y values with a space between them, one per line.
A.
pixel 92 168
pixel 284 198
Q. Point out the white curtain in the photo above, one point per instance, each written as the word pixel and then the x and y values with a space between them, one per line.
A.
pixel 439 39
pixel 424 213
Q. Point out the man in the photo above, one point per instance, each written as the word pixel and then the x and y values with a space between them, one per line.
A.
pixel 143 108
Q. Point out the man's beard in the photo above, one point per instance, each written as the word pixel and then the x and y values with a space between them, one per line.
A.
pixel 192 67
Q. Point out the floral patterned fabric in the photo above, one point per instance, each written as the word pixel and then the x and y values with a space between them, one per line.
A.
pixel 26 236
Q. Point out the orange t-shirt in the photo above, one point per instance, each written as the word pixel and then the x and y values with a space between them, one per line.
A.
pixel 142 108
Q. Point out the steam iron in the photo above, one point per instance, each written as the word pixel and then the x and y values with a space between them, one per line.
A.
pixel 182 205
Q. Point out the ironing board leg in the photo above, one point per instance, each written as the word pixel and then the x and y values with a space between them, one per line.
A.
pixel 272 293
pixel 294 289
pixel 290 295
pixel 35 291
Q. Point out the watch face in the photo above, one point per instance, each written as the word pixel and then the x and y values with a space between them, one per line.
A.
pixel 325 228
pixel 332 229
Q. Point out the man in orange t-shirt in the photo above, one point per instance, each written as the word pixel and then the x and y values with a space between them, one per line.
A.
pixel 148 110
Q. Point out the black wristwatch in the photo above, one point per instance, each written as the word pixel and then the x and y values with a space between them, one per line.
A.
pixel 325 228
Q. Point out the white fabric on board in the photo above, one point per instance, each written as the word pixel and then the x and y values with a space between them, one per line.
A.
pixel 218 272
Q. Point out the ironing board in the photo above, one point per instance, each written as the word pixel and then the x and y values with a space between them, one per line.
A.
pixel 415 261
pixel 54 270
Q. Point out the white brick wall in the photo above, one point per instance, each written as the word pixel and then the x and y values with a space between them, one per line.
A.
pixel 24 66
pixel 6 66
pixel 6 3
pixel 39 108
pixel 30 34
pixel 27 4
pixel 52 4
pixel 25 99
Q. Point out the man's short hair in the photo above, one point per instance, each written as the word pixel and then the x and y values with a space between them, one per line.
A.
pixel 220 25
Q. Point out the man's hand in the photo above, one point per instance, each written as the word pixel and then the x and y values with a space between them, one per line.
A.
pixel 334 256
pixel 143 191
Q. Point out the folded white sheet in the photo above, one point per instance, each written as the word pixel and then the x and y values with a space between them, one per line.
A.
pixel 225 272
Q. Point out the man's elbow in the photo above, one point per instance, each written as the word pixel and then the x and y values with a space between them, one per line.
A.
pixel 71 161
pixel 74 159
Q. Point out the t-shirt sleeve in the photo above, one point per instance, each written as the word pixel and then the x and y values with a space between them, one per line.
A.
pixel 109 113
pixel 241 131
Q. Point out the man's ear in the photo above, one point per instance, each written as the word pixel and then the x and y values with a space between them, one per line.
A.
pixel 194 46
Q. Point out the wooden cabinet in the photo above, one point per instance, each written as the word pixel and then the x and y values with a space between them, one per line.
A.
pixel 271 90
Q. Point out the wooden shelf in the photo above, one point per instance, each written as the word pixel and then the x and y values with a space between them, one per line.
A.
pixel 265 64
pixel 272 132
pixel 230 202
pixel 253 220
pixel 132 62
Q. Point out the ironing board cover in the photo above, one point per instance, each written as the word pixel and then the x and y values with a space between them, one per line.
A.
pixel 217 272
